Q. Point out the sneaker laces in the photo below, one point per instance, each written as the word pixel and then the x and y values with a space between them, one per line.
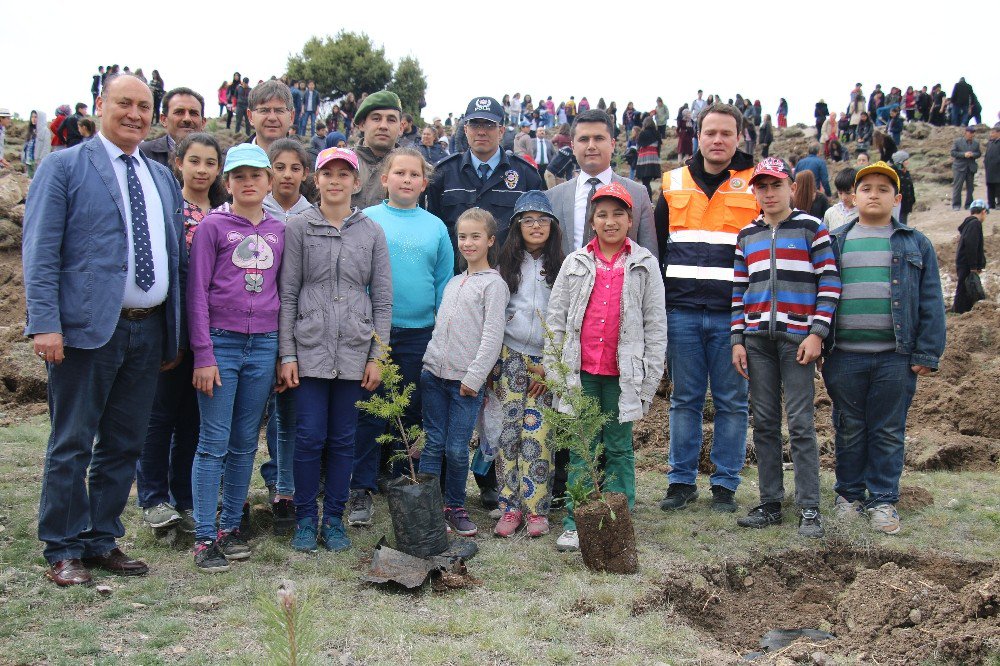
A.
pixel 536 518
pixel 358 502
pixel 510 517
pixel 459 513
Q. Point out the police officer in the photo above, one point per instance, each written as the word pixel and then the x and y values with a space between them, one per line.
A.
pixel 484 176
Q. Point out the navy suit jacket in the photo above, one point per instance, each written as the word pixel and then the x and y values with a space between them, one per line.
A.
pixel 75 249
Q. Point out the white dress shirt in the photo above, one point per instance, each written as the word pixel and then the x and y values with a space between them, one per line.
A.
pixel 157 294
pixel 580 203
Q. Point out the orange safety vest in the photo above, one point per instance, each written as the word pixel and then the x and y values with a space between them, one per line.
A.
pixel 696 218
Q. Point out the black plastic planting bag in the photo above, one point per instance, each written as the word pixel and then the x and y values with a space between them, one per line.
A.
pixel 417 512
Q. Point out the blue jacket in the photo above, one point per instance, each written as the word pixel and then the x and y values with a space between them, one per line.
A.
pixel 817 165
pixel 75 249
pixel 296 100
pixel 917 302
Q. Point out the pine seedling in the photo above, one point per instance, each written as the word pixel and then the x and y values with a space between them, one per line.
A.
pixel 390 404
pixel 289 627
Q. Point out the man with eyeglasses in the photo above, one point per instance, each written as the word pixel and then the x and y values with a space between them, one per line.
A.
pixel 484 176
pixel 270 113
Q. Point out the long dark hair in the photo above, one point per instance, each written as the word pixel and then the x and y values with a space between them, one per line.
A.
pixel 217 194
pixel 512 254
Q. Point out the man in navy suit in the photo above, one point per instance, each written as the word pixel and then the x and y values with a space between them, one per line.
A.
pixel 104 270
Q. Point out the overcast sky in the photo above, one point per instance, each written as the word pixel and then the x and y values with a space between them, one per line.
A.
pixel 52 49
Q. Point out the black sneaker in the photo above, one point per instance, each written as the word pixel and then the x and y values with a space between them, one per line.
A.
pixel 208 558
pixel 360 509
pixel 679 495
pixel 723 499
pixel 245 524
pixel 490 498
pixel 284 517
pixel 762 516
pixel 233 546
pixel 810 523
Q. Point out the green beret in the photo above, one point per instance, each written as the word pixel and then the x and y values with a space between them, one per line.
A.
pixel 383 99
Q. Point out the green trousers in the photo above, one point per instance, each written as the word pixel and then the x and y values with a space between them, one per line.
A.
pixel 619 467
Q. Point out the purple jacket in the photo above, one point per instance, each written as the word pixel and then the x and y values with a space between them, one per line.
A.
pixel 233 279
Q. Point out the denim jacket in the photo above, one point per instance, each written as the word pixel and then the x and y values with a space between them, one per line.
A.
pixel 917 302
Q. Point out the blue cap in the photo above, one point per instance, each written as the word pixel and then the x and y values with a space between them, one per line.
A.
pixel 978 205
pixel 533 200
pixel 525 123
pixel 246 154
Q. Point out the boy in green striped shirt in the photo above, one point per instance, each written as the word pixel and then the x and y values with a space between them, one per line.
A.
pixel 889 330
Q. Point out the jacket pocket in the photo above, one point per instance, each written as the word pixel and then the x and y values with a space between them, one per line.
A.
pixel 799 318
pixel 76 298
pixel 678 205
pixel 308 329
pixel 740 209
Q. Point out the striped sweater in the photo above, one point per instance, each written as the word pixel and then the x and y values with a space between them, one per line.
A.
pixel 785 280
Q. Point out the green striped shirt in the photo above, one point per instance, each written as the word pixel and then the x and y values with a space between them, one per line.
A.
pixel 864 316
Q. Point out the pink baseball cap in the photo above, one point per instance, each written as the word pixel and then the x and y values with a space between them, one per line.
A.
pixel 331 154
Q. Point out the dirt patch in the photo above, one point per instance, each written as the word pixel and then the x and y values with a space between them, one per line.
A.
pixel 607 537
pixel 882 606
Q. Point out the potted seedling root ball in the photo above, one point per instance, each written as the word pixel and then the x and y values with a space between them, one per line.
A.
pixel 603 521
pixel 415 502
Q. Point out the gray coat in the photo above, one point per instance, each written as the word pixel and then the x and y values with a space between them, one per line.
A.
pixel 962 163
pixel 563 200
pixel 336 290
pixel 642 339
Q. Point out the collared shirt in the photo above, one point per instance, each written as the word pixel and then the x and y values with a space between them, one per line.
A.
pixel 491 163
pixel 602 319
pixel 157 294
pixel 171 144
pixel 580 204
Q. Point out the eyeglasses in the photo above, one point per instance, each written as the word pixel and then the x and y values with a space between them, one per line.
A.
pixel 275 111
pixel 536 221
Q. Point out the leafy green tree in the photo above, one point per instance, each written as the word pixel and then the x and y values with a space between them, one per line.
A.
pixel 410 84
pixel 346 63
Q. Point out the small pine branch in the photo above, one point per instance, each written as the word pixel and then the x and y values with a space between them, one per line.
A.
pixel 289 627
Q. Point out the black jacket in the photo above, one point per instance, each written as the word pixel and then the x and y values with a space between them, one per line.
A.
pixel 158 150
pixel 992 161
pixel 970 253
pixel 906 189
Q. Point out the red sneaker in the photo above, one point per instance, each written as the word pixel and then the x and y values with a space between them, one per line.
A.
pixel 537 525
pixel 508 524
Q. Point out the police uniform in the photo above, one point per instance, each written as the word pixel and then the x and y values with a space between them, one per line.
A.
pixel 457 187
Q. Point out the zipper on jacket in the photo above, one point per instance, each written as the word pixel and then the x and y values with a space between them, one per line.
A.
pixel 774 282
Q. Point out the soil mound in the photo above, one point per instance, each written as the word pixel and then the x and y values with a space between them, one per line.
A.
pixel 881 606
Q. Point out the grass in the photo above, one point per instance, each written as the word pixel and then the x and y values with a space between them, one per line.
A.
pixel 533 605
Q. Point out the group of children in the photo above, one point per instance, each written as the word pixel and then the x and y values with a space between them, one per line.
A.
pixel 292 298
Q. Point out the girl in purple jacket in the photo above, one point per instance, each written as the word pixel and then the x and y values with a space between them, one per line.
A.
pixel 232 302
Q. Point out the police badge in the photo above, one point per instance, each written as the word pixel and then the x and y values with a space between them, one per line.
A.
pixel 510 179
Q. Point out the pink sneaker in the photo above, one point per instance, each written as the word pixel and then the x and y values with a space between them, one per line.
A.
pixel 537 525
pixel 508 524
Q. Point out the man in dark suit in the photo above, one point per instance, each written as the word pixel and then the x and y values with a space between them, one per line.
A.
pixel 183 113
pixel 593 146
pixel 104 270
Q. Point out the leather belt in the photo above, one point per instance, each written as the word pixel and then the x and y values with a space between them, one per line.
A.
pixel 138 314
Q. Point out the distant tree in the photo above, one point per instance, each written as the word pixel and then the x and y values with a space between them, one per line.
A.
pixel 410 84
pixel 346 63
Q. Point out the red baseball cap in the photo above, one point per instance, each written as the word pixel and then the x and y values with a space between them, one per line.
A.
pixel 772 166
pixel 615 191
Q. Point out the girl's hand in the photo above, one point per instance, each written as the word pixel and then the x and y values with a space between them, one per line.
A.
pixel 810 349
pixel 466 391
pixel 288 376
pixel 740 360
pixel 372 377
pixel 536 386
pixel 206 379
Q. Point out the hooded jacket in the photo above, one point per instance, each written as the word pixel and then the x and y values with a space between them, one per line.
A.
pixel 233 278
pixel 970 253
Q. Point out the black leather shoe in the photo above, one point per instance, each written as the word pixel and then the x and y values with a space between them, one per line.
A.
pixel 761 516
pixel 723 500
pixel 679 495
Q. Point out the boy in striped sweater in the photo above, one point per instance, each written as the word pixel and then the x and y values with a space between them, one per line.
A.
pixel 785 290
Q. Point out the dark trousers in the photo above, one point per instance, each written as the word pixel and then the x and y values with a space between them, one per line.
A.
pixel 993 195
pixel 241 119
pixel 963 301
pixel 408 347
pixel 964 179
pixel 164 470
pixel 99 404
pixel 327 422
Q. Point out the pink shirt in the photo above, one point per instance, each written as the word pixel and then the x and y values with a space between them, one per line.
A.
pixel 602 320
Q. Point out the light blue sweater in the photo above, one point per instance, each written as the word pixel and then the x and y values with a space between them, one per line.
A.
pixel 422 261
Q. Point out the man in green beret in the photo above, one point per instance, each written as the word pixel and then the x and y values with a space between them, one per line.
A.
pixel 378 118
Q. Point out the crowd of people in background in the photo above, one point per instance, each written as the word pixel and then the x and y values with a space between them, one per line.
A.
pixel 336 224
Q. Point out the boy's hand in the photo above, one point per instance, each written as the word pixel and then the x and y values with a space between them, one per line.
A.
pixel 920 370
pixel 740 361
pixel 810 349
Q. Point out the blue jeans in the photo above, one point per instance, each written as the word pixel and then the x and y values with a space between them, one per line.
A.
pixel 280 418
pixel 230 422
pixel 698 350
pixel 959 115
pixel 871 395
pixel 99 404
pixel 408 347
pixel 164 470
pixel 328 419
pixel 449 419
pixel 305 119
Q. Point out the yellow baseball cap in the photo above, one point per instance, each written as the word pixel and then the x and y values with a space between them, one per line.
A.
pixel 878 167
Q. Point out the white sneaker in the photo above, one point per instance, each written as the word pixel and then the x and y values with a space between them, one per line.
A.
pixel 844 508
pixel 568 541
pixel 884 518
